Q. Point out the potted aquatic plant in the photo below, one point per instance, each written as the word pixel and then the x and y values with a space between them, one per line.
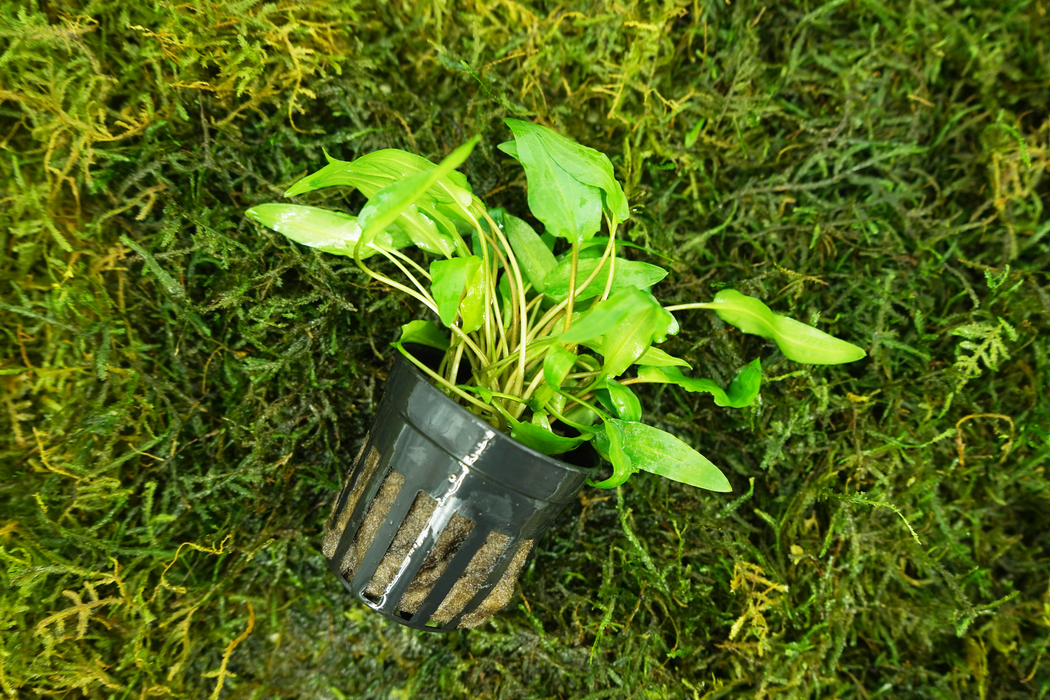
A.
pixel 520 374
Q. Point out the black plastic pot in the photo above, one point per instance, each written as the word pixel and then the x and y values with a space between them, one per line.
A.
pixel 441 511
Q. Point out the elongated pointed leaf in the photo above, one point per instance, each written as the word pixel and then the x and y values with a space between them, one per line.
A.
pixel 742 391
pixel 374 171
pixel 796 340
pixel 510 148
pixel 449 280
pixel 533 256
pixel 424 230
pixel 543 440
pixel 619 400
pixel 744 388
pixel 655 357
pixel 628 274
pixel 585 164
pixel 424 333
pixel 659 452
pixel 567 207
pixel 556 365
pixel 506 300
pixel 329 231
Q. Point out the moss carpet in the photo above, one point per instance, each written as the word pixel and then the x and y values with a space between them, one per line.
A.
pixel 182 391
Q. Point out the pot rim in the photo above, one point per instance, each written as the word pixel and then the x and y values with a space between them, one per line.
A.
pixel 455 406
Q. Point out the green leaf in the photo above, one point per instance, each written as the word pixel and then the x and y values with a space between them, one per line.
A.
pixel 743 390
pixel 628 274
pixel 585 164
pixel 600 242
pixel 543 440
pixel 623 401
pixel 533 256
pixel 579 417
pixel 329 231
pixel 632 335
pixel 673 375
pixel 510 148
pixel 427 221
pixel 567 207
pixel 374 171
pixel 424 333
pixel 395 204
pixel 605 316
pixel 796 340
pixel 557 364
pixel 482 247
pixel 609 440
pixel 661 453
pixel 473 308
pixel 694 133
pixel 398 198
pixel 543 396
pixel 449 280
pixel 587 251
pixel 655 357
pixel 628 323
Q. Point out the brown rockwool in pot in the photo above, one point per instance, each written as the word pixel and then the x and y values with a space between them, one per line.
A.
pixel 477 573
pixel 377 511
pixel 413 524
pixel 436 562
pixel 333 529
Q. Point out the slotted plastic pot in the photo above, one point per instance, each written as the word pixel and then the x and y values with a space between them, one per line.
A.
pixel 441 511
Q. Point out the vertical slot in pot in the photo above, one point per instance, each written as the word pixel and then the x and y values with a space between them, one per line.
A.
pixel 373 521
pixel 462 607
pixel 434 555
pixel 345 504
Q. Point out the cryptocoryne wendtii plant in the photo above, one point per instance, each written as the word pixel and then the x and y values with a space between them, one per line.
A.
pixel 549 325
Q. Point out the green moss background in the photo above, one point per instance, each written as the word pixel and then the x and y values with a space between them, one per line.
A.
pixel 182 391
